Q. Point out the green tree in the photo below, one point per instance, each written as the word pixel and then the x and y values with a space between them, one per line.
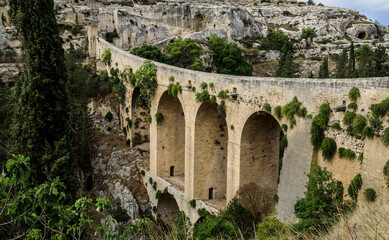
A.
pixel 183 52
pixel 286 67
pixel 151 53
pixel 365 66
pixel 276 40
pixel 341 65
pixel 322 202
pixel 323 72
pixel 351 62
pixel 11 53
pixel 228 57
pixel 380 58
pixel 43 128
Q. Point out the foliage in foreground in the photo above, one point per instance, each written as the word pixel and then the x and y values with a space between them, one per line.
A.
pixel 322 204
pixel 44 211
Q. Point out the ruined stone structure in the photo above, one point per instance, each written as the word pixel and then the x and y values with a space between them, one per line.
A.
pixel 198 155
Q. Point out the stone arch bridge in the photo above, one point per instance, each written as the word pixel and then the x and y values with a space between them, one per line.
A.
pixel 196 154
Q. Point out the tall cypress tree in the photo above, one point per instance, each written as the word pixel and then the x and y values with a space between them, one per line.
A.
pixel 286 67
pixel 380 58
pixel 341 65
pixel 323 72
pixel 351 62
pixel 366 66
pixel 42 124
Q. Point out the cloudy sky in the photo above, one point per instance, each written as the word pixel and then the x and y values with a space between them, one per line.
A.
pixel 373 9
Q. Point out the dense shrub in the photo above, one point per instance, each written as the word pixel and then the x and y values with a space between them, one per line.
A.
pixel 158 117
pixel 174 89
pixel 319 124
pixel 215 227
pixel 222 94
pixel 385 137
pixel 146 81
pixel 354 94
pixel 192 203
pixel 203 85
pixel 349 118
pixel 271 228
pixel 278 112
pixel 328 148
pixel 275 40
pixel 290 110
pixel 221 109
pixel 336 126
pixel 308 33
pixel 358 124
pixel 266 107
pixel 107 57
pixel 355 186
pixel 228 57
pixel 151 53
pixel 183 53
pixel 352 106
pixel 322 203
pixel 203 96
pixel 370 194
pixel 346 153
pixel 380 109
pixel 149 118
pixel 158 195
pixel 241 216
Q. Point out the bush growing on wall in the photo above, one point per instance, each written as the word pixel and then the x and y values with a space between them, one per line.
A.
pixel 146 80
pixel 203 96
pixel 221 109
pixel 346 153
pixel 328 148
pixel 107 57
pixel 354 94
pixel 370 194
pixel 355 186
pixel 158 117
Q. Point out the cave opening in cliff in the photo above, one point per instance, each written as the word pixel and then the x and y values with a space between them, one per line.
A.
pixel 171 141
pixel 363 35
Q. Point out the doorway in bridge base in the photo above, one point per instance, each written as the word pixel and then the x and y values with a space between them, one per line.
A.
pixel 260 155
pixel 210 152
pixel 171 141
pixel 167 208
pixel 140 129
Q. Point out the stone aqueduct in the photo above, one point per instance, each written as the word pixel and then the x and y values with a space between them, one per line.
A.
pixel 211 159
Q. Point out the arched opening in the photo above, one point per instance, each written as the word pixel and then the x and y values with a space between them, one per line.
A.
pixel 140 129
pixel 260 155
pixel 210 166
pixel 363 35
pixel 171 141
pixel 167 207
